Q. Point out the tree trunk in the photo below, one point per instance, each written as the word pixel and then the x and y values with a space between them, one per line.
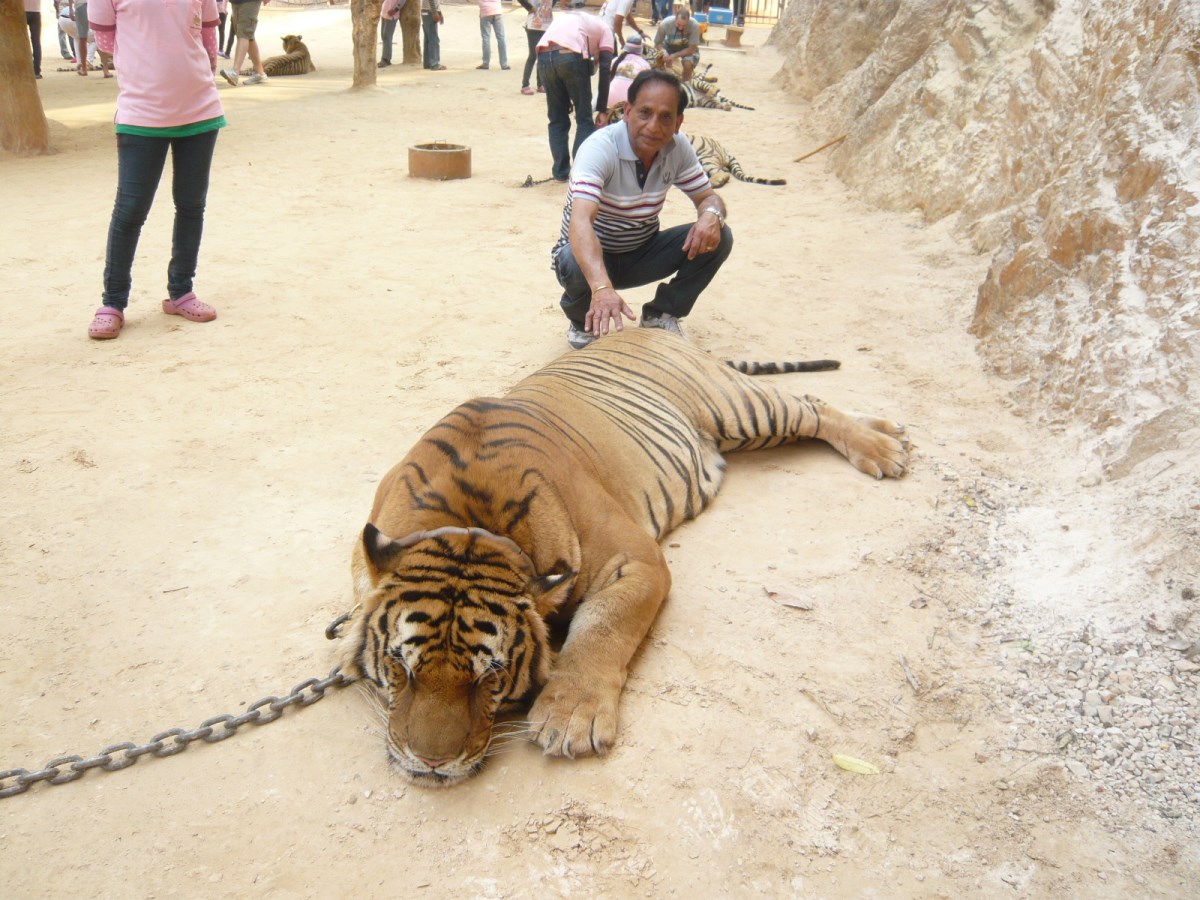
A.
pixel 23 128
pixel 364 22
pixel 410 29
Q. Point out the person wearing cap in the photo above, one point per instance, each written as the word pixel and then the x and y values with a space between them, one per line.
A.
pixel 625 68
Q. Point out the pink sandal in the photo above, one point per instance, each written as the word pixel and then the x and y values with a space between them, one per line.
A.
pixel 106 324
pixel 190 307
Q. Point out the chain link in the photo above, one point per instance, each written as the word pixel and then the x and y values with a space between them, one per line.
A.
pixel 174 740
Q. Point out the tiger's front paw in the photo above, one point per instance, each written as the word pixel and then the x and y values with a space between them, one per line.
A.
pixel 573 717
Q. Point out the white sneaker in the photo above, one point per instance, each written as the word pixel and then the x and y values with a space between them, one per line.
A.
pixel 257 79
pixel 577 338
pixel 230 76
pixel 665 321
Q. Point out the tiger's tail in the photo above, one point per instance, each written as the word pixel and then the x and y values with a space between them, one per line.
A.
pixel 782 368
pixel 736 171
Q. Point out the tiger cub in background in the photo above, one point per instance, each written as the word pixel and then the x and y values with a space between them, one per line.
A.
pixel 294 61
pixel 718 163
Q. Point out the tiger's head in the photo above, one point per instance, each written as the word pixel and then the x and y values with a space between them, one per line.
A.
pixel 293 42
pixel 450 631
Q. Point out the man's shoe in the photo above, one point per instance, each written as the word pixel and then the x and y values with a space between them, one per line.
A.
pixel 665 321
pixel 230 76
pixel 257 79
pixel 578 338
pixel 383 64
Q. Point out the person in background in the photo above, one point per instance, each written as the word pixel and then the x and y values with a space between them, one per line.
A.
pixel 66 43
pixel 389 15
pixel 78 12
pixel 222 14
pixel 245 24
pixel 610 238
pixel 167 102
pixel 573 47
pixel 33 19
pixel 491 18
pixel 431 18
pixel 618 14
pixel 679 39
pixel 626 67
pixel 539 19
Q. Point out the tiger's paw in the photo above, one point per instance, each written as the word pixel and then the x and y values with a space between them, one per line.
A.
pixel 573 717
pixel 878 447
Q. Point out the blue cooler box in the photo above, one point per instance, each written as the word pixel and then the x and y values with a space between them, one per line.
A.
pixel 718 15
pixel 701 18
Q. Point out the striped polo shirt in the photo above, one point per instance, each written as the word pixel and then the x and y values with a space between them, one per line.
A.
pixel 605 172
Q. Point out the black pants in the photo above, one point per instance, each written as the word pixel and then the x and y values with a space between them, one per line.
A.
pixel 34 21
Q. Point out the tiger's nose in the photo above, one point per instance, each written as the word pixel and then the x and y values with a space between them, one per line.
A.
pixel 433 763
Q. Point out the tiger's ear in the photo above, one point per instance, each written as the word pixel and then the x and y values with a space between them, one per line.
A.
pixel 380 549
pixel 549 591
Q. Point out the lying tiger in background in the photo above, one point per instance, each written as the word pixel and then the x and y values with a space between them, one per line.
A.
pixel 718 163
pixel 294 61
pixel 703 94
pixel 542 510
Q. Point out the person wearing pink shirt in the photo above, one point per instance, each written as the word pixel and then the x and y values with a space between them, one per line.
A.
pixel 491 18
pixel 573 47
pixel 166 55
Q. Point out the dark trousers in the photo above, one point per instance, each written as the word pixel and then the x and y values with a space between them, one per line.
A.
pixel 34 21
pixel 567 78
pixel 431 53
pixel 140 162
pixel 532 37
pixel 387 31
pixel 658 258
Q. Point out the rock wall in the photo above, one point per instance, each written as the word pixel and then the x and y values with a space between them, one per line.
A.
pixel 1063 137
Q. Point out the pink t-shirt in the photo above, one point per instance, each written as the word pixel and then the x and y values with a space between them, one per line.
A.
pixel 490 8
pixel 164 68
pixel 586 35
pixel 33 5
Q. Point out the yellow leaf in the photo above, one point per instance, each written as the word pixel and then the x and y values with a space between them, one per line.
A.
pixel 853 764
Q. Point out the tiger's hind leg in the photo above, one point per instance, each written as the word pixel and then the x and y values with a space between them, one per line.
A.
pixel 769 418
pixel 873 445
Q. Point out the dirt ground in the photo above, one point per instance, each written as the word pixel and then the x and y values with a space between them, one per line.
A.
pixel 178 508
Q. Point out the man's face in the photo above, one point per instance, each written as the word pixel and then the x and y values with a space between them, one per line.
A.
pixel 654 120
pixel 681 25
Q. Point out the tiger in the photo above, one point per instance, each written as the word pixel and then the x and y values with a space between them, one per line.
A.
pixel 295 59
pixel 511 559
pixel 718 163
pixel 703 94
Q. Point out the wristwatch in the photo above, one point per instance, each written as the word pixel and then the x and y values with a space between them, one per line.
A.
pixel 716 212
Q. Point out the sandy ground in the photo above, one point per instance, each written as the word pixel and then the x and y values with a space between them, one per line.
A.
pixel 178 508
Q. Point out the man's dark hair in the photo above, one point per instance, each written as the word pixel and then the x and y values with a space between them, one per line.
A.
pixel 646 76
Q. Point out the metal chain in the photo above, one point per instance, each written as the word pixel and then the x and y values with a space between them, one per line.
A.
pixel 174 740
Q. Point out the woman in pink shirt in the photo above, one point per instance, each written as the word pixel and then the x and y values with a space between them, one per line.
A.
pixel 166 55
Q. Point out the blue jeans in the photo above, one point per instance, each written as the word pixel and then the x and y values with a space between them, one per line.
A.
pixel 431 52
pixel 493 23
pixel 567 78
pixel 660 9
pixel 140 162
pixel 656 259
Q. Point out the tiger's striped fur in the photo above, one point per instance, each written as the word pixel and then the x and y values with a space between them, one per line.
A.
pixel 544 508
pixel 718 163
pixel 295 59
